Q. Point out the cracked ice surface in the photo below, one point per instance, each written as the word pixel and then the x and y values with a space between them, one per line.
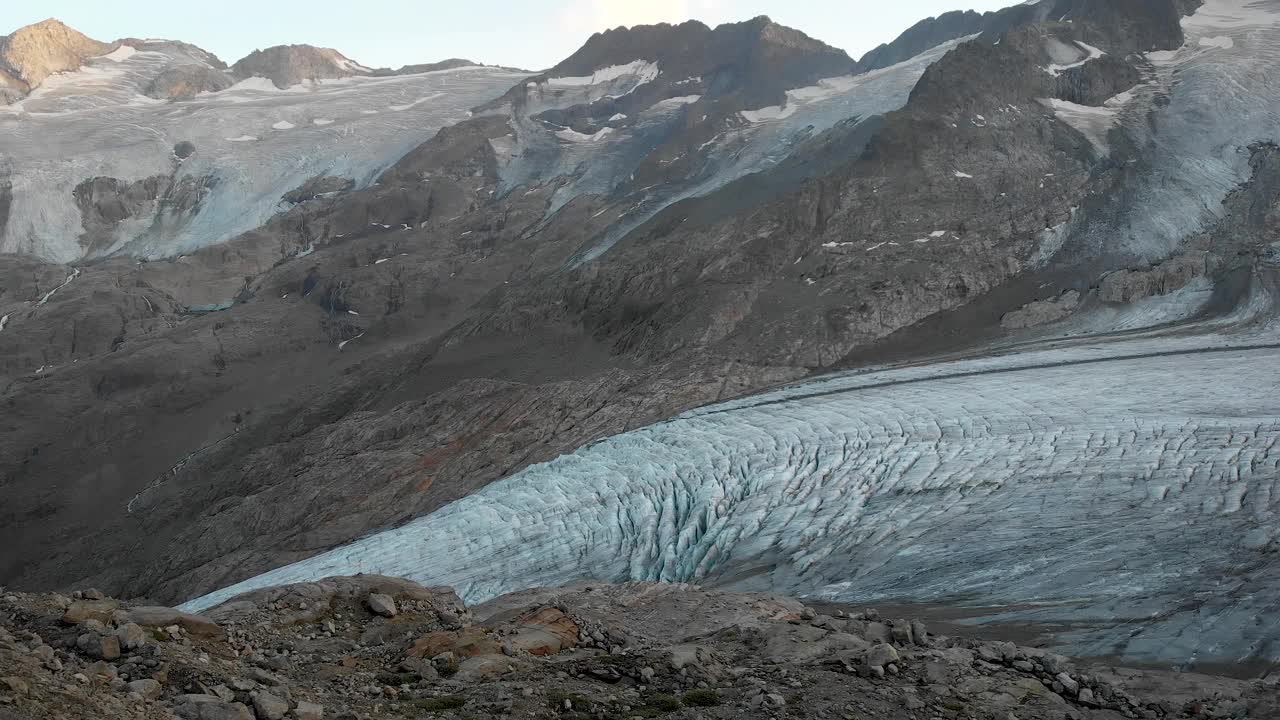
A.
pixel 94 122
pixel 1129 485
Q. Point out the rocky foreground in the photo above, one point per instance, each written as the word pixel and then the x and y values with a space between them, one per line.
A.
pixel 380 647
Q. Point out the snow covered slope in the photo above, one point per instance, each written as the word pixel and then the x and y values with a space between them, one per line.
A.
pixel 252 144
pixel 1195 116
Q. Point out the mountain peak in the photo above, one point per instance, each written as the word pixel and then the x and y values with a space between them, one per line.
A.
pixel 287 65
pixel 35 52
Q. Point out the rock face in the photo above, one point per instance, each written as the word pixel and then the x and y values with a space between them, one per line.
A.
pixel 35 52
pixel 289 65
pixel 186 81
pixel 1042 312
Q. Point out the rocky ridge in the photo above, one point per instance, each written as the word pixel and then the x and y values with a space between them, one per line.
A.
pixel 370 647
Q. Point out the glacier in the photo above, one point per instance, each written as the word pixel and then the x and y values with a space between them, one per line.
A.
pixel 1099 482
pixel 256 141
pixel 1195 115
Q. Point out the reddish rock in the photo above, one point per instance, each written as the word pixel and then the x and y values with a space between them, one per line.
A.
pixel 543 631
pixel 465 643
pixel 82 610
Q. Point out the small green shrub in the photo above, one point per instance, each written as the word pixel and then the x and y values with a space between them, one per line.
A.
pixel 701 698
pixel 665 703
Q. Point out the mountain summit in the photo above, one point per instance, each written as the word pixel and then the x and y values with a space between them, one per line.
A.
pixel 287 65
pixel 35 52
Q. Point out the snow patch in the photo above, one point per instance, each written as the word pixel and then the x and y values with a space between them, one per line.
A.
pixel 1090 53
pixel 242 138
pixel 576 137
pixel 766 114
pixel 1092 122
pixel 642 70
pixel 75 273
pixel 321 121
pixel 1222 41
pixel 344 342
pixel 120 54
pixel 963 175
pixel 283 125
pixel 678 101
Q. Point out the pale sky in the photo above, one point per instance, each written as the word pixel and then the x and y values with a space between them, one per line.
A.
pixel 533 34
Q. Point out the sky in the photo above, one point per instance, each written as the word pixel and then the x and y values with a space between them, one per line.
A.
pixel 530 34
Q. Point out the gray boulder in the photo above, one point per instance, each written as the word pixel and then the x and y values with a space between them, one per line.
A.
pixel 880 656
pixel 269 707
pixel 147 688
pixel 131 636
pixel 308 711
pixel 383 605
pixel 208 707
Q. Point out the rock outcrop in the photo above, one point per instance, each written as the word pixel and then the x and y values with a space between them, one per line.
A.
pixel 289 65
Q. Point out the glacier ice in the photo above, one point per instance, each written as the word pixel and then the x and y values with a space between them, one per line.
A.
pixel 1097 482
pixel 1196 115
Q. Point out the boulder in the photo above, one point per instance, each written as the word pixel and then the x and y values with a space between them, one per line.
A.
pixel 543 631
pixel 469 642
pixel 102 647
pixel 383 605
pixel 148 688
pixel 308 711
pixel 482 668
pixel 919 633
pixel 131 636
pixel 880 656
pixel 14 685
pixel 208 707
pixel 81 610
pixel 269 707
pixel 159 617
pixel 878 632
